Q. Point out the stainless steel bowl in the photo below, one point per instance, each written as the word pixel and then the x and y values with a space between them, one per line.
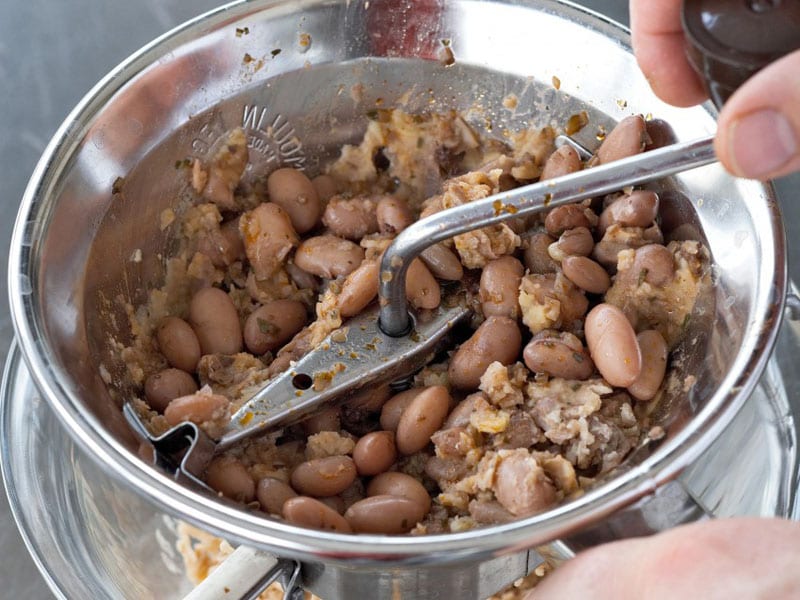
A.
pixel 71 267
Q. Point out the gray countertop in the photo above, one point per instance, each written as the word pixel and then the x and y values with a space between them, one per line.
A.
pixel 51 53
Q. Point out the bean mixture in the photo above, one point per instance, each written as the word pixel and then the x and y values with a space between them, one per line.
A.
pixel 575 312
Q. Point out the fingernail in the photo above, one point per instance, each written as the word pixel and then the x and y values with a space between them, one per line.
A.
pixel 761 143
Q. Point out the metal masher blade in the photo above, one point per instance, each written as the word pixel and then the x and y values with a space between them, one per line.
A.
pixel 390 342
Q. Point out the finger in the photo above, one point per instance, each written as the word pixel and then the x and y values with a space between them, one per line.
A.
pixel 758 133
pixel 659 46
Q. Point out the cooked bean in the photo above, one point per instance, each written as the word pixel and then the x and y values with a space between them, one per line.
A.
pixel 293 192
pixel 421 418
pixel 586 274
pixel 629 137
pixel 163 387
pixel 522 486
pixel 499 287
pixel 459 416
pixel 566 217
pixel 613 345
pixel 270 326
pixel 359 288
pixel 393 215
pixel 395 483
pixel 537 258
pixel 384 514
pixel 230 478
pixel 442 262
pixel 497 339
pixel 326 187
pixel 370 399
pixel 654 264
pixel 422 289
pixel 268 237
pixel 302 279
pixel 559 355
pixel 214 319
pixel 375 453
pixel 637 209
pixel 328 256
pixel 334 502
pixel 223 247
pixel 563 161
pixel 351 218
pixel 197 408
pixel 324 476
pixel 654 365
pixel 311 513
pixel 272 494
pixel 394 407
pixel 326 419
pixel 178 343
pixel 573 242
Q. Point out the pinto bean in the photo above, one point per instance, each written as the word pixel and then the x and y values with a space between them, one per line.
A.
pixel 359 288
pixel 326 187
pixel 395 483
pixel 197 408
pixel 302 279
pixel 324 476
pixel 293 192
pixel 268 237
pixel 422 289
pixel 393 215
pixel 521 485
pixel 229 477
pixel 351 218
pixel 178 343
pixel 459 416
pixel 442 262
pixel 223 247
pixel 558 355
pixel 370 399
pixel 375 453
pixel 628 138
pixel 384 514
pixel 270 326
pixel 272 493
pixel 566 217
pixel 328 256
pixel 586 274
pixel 214 319
pixel 637 209
pixel 394 407
pixel 573 242
pixel 499 287
pixel 537 258
pixel 163 387
pixel 563 161
pixel 311 513
pixel 654 365
pixel 654 264
pixel 421 418
pixel 497 339
pixel 613 345
pixel 324 420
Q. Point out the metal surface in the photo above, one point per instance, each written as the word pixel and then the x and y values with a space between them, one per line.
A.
pixel 41 82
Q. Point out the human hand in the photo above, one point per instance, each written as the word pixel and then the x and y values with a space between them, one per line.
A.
pixel 758 132
pixel 720 559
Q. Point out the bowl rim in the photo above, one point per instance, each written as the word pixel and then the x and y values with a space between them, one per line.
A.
pixel 642 480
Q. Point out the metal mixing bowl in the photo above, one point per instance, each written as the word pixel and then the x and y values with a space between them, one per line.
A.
pixel 246 64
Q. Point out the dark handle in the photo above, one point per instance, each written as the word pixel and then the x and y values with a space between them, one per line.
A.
pixel 728 41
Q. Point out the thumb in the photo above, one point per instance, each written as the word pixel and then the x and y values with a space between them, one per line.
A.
pixel 758 133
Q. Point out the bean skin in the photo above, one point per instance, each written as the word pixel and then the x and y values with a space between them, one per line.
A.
pixel 351 218
pixel 586 274
pixel 394 407
pixel 558 355
pixel 230 478
pixel 375 453
pixel 214 319
pixel 163 387
pixel 499 287
pixel 328 256
pixel 613 345
pixel 359 288
pixel 322 477
pixel 197 408
pixel 311 513
pixel 628 138
pixel 563 161
pixel 442 263
pixel 272 493
pixel 497 339
pixel 293 192
pixel 273 324
pixel 637 209
pixel 422 289
pixel 384 514
pixel 395 483
pixel 654 365
pixel 421 418
pixel 393 215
